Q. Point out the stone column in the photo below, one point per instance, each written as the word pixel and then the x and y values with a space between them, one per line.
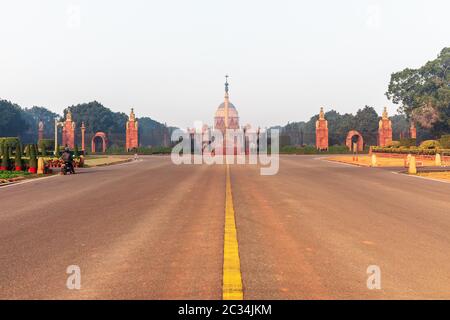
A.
pixel 83 130
pixel 413 131
pixel 56 138
pixel 322 132
pixel 384 130
pixel 69 132
pixel 132 131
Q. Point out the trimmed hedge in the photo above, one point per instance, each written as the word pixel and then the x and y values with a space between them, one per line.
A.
pixel 445 141
pixel 408 142
pixel 411 150
pixel 46 146
pixel 140 150
pixel 10 141
pixel 430 144
pixel 313 150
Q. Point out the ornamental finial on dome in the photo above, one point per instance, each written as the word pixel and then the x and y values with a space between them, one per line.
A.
pixel 385 113
pixel 226 84
pixel 321 114
pixel 132 115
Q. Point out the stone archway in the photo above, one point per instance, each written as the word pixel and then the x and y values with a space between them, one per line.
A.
pixel 104 138
pixel 359 142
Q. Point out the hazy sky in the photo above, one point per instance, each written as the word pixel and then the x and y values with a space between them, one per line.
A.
pixel 168 58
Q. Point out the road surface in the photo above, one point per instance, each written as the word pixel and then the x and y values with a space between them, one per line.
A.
pixel 154 230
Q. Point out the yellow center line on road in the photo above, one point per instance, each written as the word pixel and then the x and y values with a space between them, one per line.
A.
pixel 232 280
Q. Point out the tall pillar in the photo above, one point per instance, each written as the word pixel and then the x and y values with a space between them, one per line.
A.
pixel 132 137
pixel 322 132
pixel 83 130
pixel 56 151
pixel 226 120
pixel 40 131
pixel 68 136
pixel 413 131
pixel 226 102
pixel 384 130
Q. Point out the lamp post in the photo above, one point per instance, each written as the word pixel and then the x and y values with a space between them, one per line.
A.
pixel 83 130
pixel 57 124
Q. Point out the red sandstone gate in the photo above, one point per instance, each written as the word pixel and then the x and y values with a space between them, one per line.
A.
pixel 359 142
pixel 101 135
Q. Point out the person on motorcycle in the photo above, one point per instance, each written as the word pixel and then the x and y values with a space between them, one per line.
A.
pixel 68 160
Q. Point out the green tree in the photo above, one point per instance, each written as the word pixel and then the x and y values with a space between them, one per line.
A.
pixel 424 93
pixel 32 116
pixel 97 118
pixel 338 126
pixel 366 123
pixel 12 122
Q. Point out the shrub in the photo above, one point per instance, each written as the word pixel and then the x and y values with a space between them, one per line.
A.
pixel 5 158
pixel 18 159
pixel 337 149
pixel 26 150
pixel 33 159
pixel 10 141
pixel 46 145
pixel 430 144
pixel 407 142
pixel 76 153
pixel 394 144
pixel 412 150
pixel 140 150
pixel 445 141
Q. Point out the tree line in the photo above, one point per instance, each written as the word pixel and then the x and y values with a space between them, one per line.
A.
pixel 365 121
pixel 423 96
pixel 23 123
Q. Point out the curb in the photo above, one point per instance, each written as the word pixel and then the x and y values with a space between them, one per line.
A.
pixel 108 164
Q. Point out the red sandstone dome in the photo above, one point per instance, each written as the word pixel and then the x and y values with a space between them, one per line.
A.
pixel 233 117
pixel 221 114
pixel 232 112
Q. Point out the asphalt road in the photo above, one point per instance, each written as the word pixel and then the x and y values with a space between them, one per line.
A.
pixel 154 230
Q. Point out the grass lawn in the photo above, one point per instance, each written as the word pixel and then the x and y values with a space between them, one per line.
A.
pixel 93 161
pixel 443 175
pixel 365 160
pixel 7 176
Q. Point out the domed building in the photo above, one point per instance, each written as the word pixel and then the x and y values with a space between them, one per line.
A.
pixel 226 115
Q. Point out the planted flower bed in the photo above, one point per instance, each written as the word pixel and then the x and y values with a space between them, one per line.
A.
pixel 57 163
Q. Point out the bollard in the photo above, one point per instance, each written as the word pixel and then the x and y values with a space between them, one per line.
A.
pixel 438 160
pixel 407 160
pixel 40 169
pixel 374 160
pixel 412 165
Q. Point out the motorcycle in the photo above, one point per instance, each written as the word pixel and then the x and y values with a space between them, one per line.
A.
pixel 67 168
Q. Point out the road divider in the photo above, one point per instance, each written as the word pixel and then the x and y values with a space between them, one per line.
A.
pixel 232 279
